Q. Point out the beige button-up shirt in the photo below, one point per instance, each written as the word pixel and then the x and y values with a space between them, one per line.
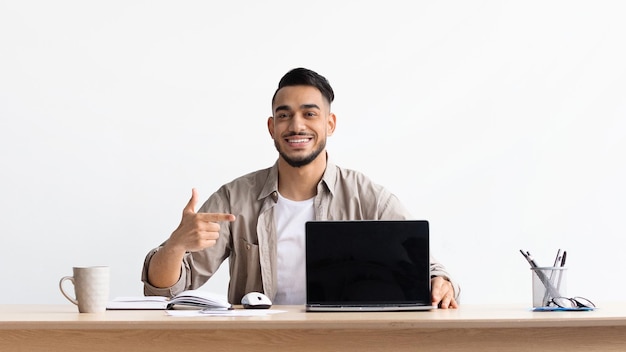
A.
pixel 250 241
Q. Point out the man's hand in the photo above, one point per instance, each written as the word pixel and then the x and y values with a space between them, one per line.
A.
pixel 197 231
pixel 442 293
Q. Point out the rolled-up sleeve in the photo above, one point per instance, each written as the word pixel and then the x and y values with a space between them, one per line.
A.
pixel 173 290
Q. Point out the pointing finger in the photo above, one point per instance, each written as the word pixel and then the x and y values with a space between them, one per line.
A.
pixel 216 217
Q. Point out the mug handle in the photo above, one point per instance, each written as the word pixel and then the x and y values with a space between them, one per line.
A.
pixel 70 278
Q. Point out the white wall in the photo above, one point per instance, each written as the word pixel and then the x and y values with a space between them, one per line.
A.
pixel 501 122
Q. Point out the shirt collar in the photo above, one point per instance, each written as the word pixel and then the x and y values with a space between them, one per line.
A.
pixel 270 188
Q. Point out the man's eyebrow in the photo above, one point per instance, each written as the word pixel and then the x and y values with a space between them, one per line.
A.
pixel 282 107
pixel 303 106
pixel 309 106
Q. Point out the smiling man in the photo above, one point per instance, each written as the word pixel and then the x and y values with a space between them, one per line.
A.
pixel 302 122
pixel 258 220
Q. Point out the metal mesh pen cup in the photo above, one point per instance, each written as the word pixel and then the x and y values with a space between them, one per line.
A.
pixel 548 283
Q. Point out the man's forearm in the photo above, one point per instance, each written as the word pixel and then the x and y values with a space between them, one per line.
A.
pixel 165 267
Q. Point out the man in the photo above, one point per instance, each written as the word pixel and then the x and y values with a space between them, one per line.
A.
pixel 257 221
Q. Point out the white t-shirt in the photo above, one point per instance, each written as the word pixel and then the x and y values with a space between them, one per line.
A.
pixel 290 218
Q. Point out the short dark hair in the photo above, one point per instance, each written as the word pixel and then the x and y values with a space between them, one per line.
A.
pixel 305 77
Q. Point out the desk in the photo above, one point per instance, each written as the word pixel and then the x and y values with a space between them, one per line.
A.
pixel 469 328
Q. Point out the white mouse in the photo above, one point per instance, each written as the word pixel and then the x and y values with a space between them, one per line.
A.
pixel 256 300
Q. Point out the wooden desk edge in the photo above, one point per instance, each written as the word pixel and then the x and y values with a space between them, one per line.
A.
pixel 45 317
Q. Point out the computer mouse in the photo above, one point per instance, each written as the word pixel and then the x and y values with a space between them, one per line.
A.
pixel 256 300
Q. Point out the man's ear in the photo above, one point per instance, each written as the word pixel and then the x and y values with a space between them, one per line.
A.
pixel 332 123
pixel 270 126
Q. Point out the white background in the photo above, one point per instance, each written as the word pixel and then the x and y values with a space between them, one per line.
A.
pixel 501 122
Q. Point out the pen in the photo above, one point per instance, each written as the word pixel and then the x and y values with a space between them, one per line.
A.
pixel 527 257
pixel 558 258
pixel 557 262
pixel 532 260
pixel 558 284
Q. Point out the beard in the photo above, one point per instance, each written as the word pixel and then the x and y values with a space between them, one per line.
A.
pixel 303 160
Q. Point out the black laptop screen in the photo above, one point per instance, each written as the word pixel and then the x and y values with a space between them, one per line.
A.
pixel 367 262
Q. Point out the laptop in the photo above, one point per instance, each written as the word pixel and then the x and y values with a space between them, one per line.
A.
pixel 367 265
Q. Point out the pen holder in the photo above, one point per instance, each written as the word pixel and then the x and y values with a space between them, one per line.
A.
pixel 548 282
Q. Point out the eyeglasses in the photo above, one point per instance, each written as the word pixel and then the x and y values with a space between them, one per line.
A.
pixel 574 302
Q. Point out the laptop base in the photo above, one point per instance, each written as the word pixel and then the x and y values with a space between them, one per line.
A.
pixel 344 308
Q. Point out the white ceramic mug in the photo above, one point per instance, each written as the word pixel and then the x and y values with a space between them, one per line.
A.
pixel 91 286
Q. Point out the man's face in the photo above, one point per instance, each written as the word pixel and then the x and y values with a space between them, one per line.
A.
pixel 300 125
